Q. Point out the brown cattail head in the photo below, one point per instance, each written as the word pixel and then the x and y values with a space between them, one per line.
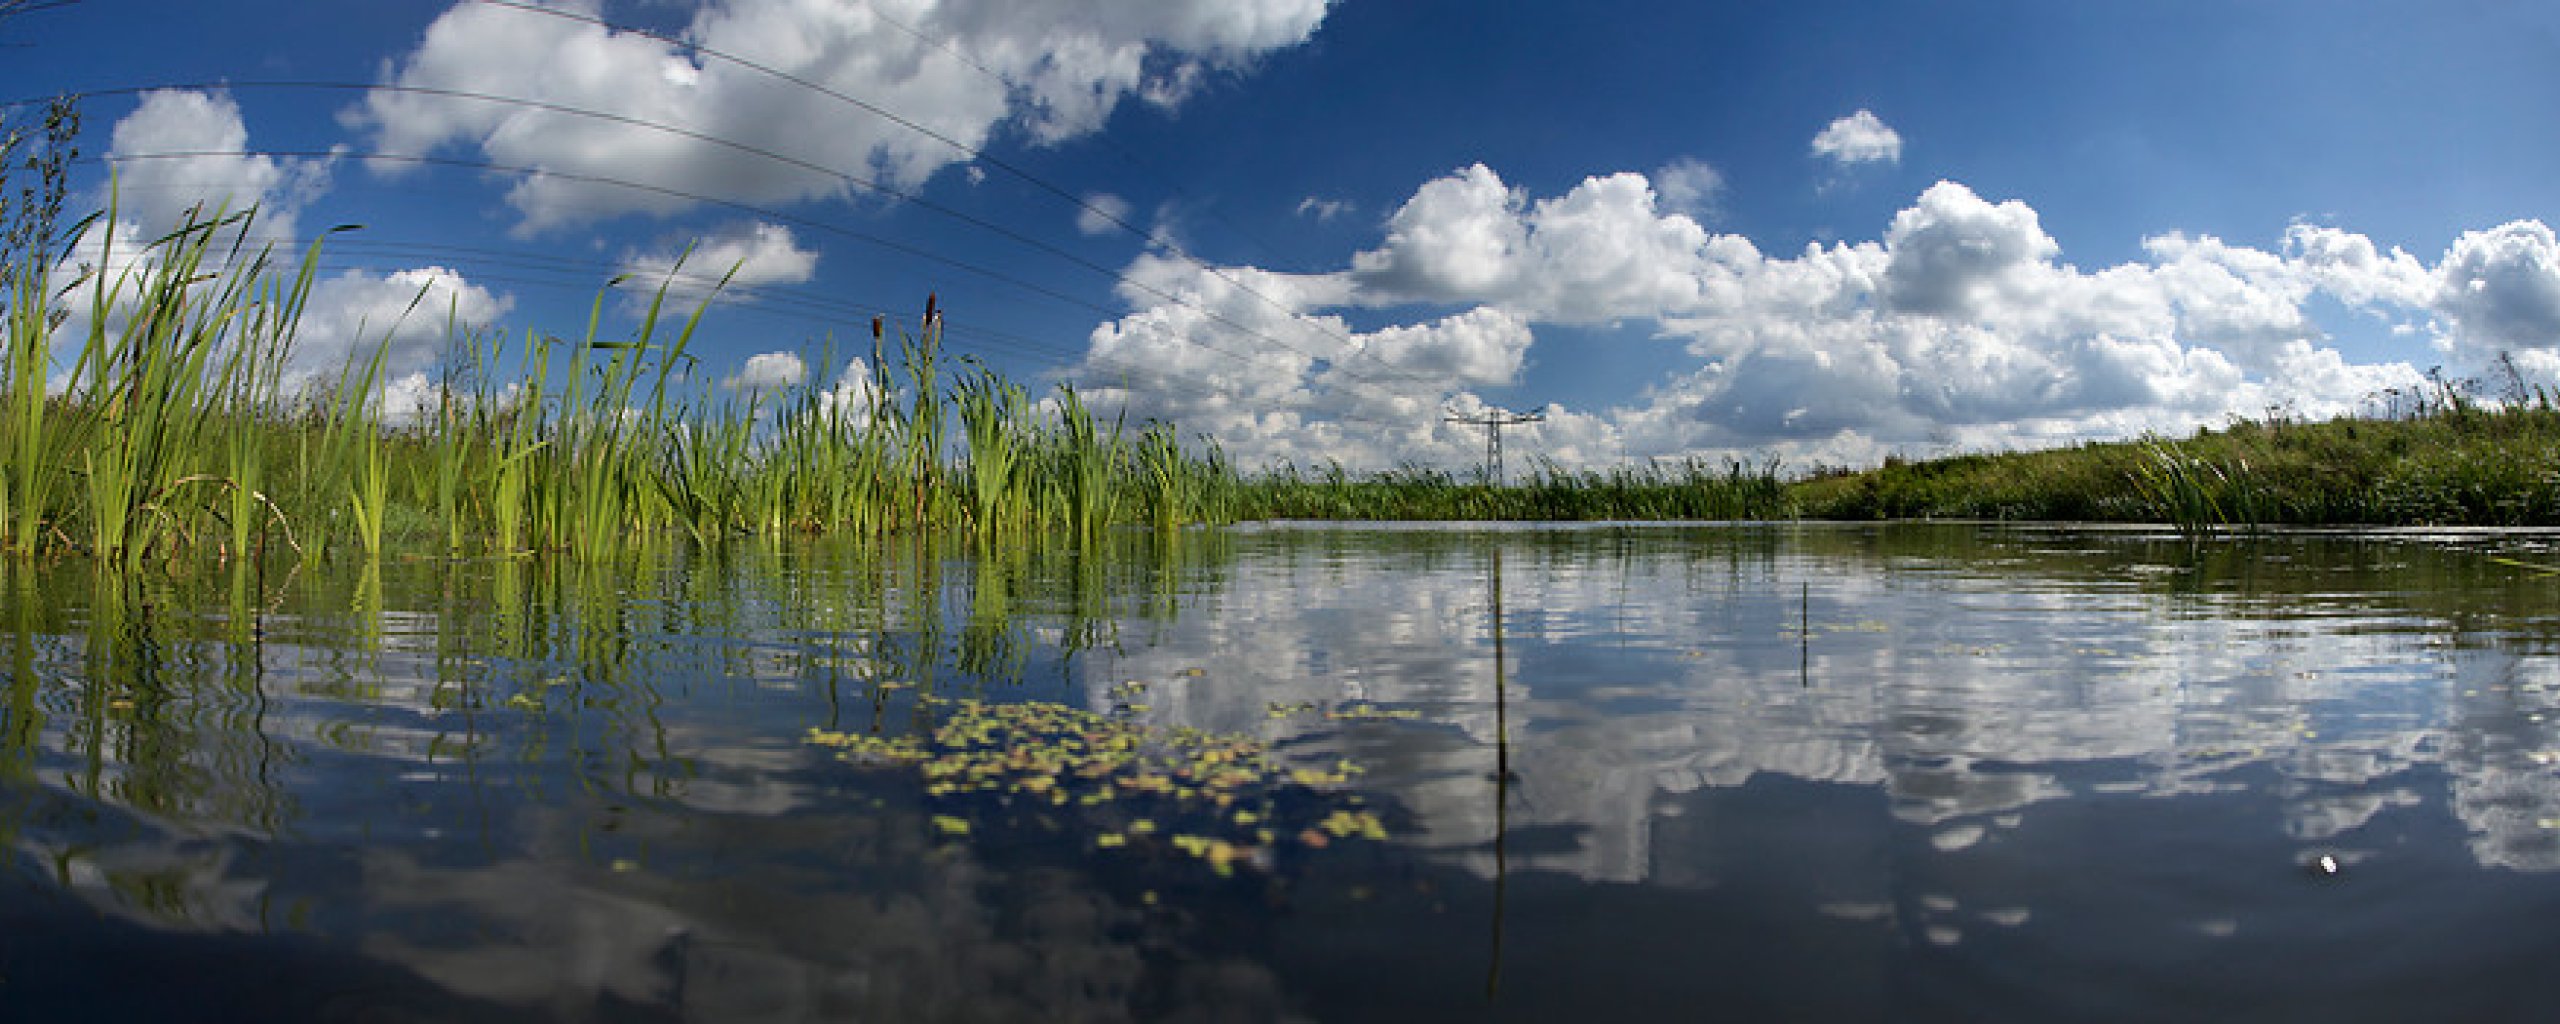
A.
pixel 875 328
pixel 929 312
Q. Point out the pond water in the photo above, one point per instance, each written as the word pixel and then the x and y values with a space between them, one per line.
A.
pixel 1906 772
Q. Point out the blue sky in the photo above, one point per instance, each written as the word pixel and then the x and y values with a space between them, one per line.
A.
pixel 1822 231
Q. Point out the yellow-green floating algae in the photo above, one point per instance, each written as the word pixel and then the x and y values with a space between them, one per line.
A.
pixel 1229 793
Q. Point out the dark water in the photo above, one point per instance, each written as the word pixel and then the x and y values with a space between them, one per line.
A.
pixel 1902 773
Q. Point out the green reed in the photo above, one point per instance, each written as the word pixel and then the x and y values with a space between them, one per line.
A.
pixel 923 494
pixel 1087 465
pixel 2192 493
pixel 150 388
pixel 30 463
pixel 181 432
pixel 252 371
pixel 994 418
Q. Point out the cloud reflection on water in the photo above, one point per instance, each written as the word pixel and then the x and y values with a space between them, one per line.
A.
pixel 1968 688
pixel 601 790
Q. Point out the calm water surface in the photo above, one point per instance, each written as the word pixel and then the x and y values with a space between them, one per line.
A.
pixel 1682 773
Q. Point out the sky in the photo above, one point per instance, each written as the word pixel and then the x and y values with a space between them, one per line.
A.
pixel 1821 232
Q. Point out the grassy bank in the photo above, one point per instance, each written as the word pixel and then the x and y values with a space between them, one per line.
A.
pixel 2457 464
pixel 176 432
pixel 1692 489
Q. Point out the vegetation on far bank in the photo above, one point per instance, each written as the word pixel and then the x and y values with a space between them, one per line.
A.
pixel 2454 462
pixel 1691 489
pixel 177 432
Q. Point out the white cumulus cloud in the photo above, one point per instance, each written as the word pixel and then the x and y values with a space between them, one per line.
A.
pixel 414 315
pixel 854 395
pixel 750 256
pixel 1458 236
pixel 1954 254
pixel 183 150
pixel 1859 138
pixel 769 371
pixel 1599 252
pixel 1059 70
pixel 1323 210
pixel 2351 267
pixel 1690 186
pixel 1958 324
pixel 2501 287
pixel 1102 214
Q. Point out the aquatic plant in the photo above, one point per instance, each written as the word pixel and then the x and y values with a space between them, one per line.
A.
pixel 1226 800
pixel 180 430
pixel 994 418
pixel 2194 494
pixel 30 463
pixel 1087 464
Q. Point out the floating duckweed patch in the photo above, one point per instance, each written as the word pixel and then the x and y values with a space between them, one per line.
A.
pixel 1366 712
pixel 1221 799
pixel 1352 712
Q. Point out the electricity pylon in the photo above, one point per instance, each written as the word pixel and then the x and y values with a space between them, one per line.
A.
pixel 1493 421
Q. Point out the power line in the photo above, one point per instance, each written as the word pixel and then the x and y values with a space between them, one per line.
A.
pixel 973 153
pixel 594 179
pixel 1340 365
pixel 1124 364
pixel 964 57
pixel 347 253
pixel 856 180
pixel 1349 380
pixel 785 304
pixel 958 335
pixel 1342 372
pixel 13 8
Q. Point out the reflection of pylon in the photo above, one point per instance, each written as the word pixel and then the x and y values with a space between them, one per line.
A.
pixel 1493 421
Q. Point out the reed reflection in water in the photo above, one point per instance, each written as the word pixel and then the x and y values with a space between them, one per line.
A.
pixel 1904 772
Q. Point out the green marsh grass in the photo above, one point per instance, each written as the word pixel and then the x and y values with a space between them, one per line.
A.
pixel 2192 493
pixel 180 432
pixel 1087 464
pixel 32 472
pixel 2460 463
pixel 1689 489
pixel 993 412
